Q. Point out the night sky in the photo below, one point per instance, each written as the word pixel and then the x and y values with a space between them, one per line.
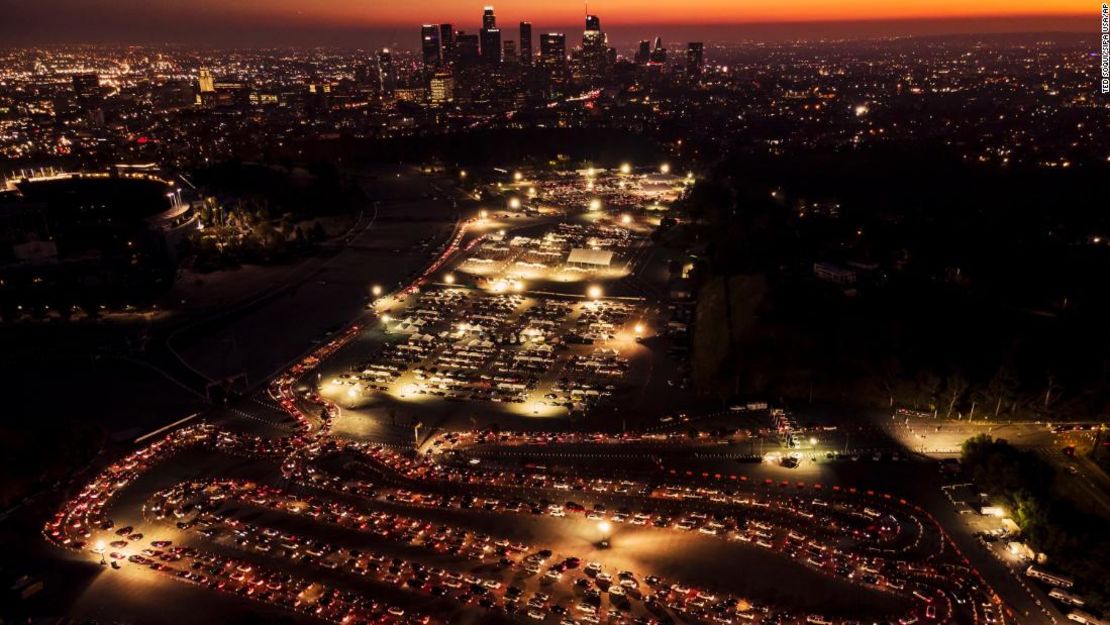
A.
pixel 373 22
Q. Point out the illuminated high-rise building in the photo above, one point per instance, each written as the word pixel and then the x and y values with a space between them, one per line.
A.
pixel 387 78
pixel 491 46
pixel 466 49
pixel 447 43
pixel 490 38
pixel 553 50
pixel 205 80
pixel 526 42
pixel 695 58
pixel 658 53
pixel 441 88
pixel 509 54
pixel 593 61
pixel 430 46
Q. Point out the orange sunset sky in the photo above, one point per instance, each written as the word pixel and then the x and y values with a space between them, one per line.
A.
pixel 361 22
pixel 402 12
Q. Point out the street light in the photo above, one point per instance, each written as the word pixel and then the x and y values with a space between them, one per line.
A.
pixel 483 214
pixel 604 528
pixel 665 168
pixel 514 203
pixel 99 549
pixel 626 219
pixel 449 278
pixel 376 290
pixel 626 168
pixel 594 292
pixel 517 176
pixel 638 329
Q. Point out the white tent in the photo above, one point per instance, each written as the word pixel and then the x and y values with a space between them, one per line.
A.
pixel 590 258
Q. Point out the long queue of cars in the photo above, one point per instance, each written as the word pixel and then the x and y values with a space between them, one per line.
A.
pixel 585 603
pixel 822 550
pixel 270 586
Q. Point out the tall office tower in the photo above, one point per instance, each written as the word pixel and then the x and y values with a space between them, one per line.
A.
pixel 466 49
pixel 643 53
pixel 447 43
pixel 86 87
pixel 488 19
pixel 491 46
pixel 594 49
pixel 430 46
pixel 658 53
pixel 509 54
pixel 553 51
pixel 387 78
pixel 205 80
pixel 526 42
pixel 441 88
pixel 695 58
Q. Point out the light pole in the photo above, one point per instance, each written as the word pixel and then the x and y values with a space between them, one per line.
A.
pixel 99 549
pixel 604 528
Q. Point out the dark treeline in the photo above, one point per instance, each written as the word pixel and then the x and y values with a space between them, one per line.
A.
pixel 524 146
pixel 983 290
pixel 1075 541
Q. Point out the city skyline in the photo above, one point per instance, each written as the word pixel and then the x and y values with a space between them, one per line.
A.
pixel 344 23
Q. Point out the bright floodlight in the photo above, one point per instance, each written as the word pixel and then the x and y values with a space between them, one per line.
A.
pixel 591 172
pixel 595 204
pixel 514 203
pixel 665 168
pixel 604 527
pixel 483 214
pixel 462 174
pixel 518 176
pixel 386 318
pixel 626 168
pixel 449 278
pixel 626 219
pixel 639 328
pixel 813 441
pixel 376 290
pixel 594 292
